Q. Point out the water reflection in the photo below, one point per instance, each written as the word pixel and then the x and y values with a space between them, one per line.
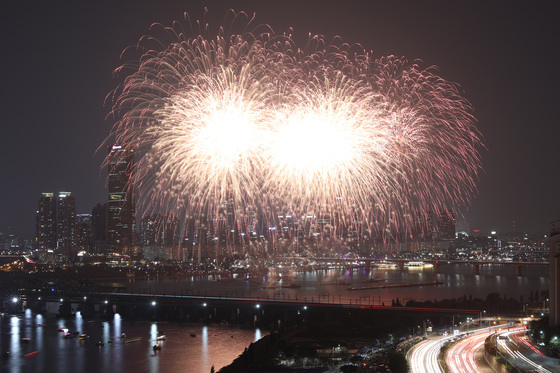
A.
pixel 216 345
pixel 204 353
pixel 15 351
pixel 39 333
pixel 153 363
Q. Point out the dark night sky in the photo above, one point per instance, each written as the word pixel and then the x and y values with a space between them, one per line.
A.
pixel 58 58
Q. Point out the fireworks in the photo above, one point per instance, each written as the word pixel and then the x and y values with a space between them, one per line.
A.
pixel 251 119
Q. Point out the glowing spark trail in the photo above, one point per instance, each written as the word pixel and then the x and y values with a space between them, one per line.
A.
pixel 252 119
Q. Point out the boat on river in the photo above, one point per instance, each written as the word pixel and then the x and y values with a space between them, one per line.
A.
pixel 384 265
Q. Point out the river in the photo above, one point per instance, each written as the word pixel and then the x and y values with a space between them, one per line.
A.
pixel 457 280
pixel 187 347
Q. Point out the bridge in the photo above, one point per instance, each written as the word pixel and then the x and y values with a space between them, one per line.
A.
pixel 207 308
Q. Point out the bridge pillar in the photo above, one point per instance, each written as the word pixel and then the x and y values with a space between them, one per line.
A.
pixel 368 266
pixel 436 268
pixel 476 269
pixel 401 266
pixel 518 270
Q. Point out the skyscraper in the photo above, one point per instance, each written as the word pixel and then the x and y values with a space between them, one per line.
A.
pixel 84 232
pixel 56 223
pixel 121 215
pixel 446 225
pixel 66 221
pixel 157 230
pixel 46 222
pixel 99 223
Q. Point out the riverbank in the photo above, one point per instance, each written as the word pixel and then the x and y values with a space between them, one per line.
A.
pixel 330 340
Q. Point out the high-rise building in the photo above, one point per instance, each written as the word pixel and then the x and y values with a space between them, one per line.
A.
pixel 121 214
pixel 157 230
pixel 446 224
pixel 554 272
pixel 66 221
pixel 56 223
pixel 84 232
pixel 99 223
pixel 46 222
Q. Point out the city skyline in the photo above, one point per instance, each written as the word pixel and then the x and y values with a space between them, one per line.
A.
pixel 73 75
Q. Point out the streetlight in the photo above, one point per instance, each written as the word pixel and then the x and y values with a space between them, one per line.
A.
pixel 153 303
pixel 14 300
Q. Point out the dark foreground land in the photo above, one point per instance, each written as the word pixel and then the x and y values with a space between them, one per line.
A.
pixel 332 341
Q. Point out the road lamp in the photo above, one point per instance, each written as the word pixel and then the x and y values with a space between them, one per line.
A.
pixel 15 302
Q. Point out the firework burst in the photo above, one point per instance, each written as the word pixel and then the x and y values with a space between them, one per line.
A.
pixel 252 119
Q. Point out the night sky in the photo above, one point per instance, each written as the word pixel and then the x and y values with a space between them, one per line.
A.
pixel 58 58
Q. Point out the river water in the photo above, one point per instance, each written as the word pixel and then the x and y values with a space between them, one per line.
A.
pixel 457 279
pixel 216 345
pixel 219 345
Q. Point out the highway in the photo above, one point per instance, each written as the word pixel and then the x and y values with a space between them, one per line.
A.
pixel 514 346
pixel 424 356
pixel 461 356
pixel 464 355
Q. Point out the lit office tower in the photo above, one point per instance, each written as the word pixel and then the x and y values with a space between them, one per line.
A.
pixel 46 222
pixel 121 219
pixel 149 230
pixel 84 232
pixel 66 221
pixel 554 273
pixel 157 230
